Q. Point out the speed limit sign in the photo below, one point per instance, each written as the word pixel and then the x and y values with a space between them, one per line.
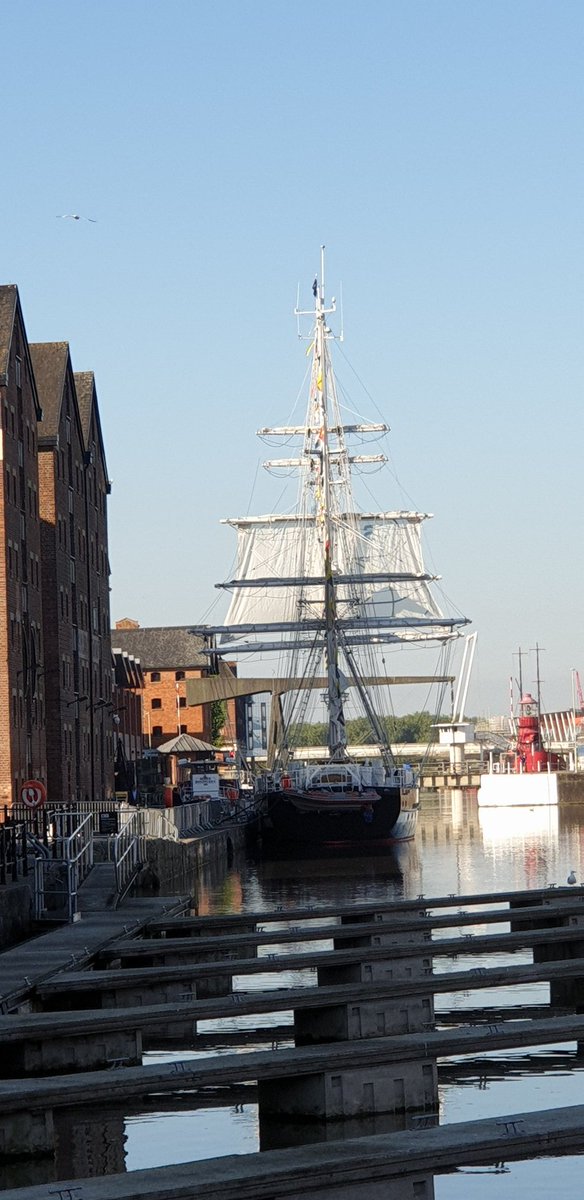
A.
pixel 33 793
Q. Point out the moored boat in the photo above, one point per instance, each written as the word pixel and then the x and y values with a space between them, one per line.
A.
pixel 327 588
pixel 528 776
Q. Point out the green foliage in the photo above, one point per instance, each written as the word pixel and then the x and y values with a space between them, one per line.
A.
pixel 308 735
pixel 413 727
pixel 218 718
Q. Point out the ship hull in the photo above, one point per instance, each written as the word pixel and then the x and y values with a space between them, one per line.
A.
pixel 306 818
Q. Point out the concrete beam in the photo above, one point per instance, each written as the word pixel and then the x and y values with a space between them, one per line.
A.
pixel 89 985
pixel 228 687
pixel 380 1167
pixel 419 905
pixel 127 1082
pixel 169 950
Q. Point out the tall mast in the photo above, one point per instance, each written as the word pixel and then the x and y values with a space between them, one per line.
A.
pixel 337 734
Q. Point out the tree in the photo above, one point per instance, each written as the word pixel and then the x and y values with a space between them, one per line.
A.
pixel 218 717
pixel 412 727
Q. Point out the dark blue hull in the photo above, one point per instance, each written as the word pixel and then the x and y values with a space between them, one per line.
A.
pixel 287 820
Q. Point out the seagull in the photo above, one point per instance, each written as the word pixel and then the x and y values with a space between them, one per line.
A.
pixel 572 877
pixel 75 217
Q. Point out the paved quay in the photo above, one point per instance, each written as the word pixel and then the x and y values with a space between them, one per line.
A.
pixel 74 945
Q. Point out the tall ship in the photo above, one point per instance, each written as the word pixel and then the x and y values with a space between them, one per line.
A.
pixel 325 590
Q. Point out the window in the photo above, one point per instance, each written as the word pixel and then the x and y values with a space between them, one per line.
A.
pixel 18 365
pixel 179 674
pixel 182 702
pixel 156 703
pixel 155 676
pixel 157 731
pixel 183 729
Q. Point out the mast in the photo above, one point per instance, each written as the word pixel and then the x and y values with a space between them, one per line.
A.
pixel 337 733
pixel 325 578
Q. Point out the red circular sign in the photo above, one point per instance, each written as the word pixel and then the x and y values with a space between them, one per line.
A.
pixel 33 793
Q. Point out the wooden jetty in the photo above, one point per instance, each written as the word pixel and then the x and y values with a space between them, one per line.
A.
pixel 367 1039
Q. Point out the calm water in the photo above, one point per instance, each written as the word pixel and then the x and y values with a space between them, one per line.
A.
pixel 457 850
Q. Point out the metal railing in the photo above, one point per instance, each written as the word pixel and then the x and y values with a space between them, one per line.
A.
pixel 13 851
pixel 59 877
pixel 158 823
pixel 128 852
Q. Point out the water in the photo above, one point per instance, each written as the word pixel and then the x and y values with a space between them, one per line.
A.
pixel 457 850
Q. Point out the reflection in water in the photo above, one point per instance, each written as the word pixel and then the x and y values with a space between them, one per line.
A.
pixel 458 850
pixel 314 881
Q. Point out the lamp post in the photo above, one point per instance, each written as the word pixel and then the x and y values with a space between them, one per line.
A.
pixel 575 744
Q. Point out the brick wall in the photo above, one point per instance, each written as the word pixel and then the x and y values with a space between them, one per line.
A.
pixel 170 716
pixel 22 709
pixel 99 600
pixel 71 713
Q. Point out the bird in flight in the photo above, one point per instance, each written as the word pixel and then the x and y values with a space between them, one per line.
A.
pixel 75 217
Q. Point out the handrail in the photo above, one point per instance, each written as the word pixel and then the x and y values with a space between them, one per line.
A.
pixel 13 850
pixel 128 852
pixel 58 879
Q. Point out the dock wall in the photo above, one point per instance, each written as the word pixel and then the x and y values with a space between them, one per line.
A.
pixel 173 867
pixel 170 868
pixel 16 914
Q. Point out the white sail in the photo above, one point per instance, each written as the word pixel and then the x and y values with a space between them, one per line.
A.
pixel 326 580
pixel 368 546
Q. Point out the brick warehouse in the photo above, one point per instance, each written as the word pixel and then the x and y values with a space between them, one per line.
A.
pixel 169 656
pixel 73 502
pixel 22 683
pixel 55 698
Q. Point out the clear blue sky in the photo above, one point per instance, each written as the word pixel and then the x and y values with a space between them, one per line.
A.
pixel 436 147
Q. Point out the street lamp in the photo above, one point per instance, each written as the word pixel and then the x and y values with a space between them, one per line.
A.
pixel 575 742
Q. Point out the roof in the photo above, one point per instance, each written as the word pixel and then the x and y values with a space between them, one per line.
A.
pixel 185 742
pixel 163 648
pixel 88 408
pixel 84 385
pixel 127 669
pixel 50 361
pixel 10 314
pixel 8 301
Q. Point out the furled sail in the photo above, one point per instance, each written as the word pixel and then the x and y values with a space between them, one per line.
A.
pixel 377 562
